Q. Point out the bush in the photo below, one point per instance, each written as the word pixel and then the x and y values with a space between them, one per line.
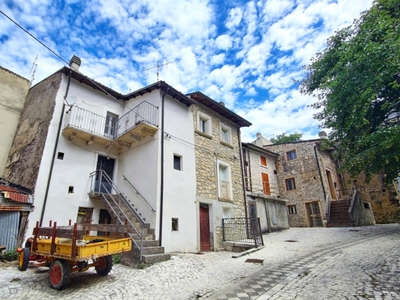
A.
pixel 10 255
pixel 116 259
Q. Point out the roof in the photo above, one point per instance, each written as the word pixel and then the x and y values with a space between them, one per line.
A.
pixel 219 108
pixel 15 195
pixel 259 149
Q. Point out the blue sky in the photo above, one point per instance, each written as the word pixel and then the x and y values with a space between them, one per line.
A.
pixel 247 54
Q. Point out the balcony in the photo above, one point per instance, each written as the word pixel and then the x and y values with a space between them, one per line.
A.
pixel 136 124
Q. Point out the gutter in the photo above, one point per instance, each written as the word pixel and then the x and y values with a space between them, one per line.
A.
pixel 243 187
pixel 54 151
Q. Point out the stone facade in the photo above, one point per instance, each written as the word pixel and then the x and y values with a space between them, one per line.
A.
pixel 14 89
pixel 27 149
pixel 217 157
pixel 307 176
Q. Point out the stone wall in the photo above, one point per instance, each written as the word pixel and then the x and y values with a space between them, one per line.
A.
pixel 307 174
pixel 27 148
pixel 14 89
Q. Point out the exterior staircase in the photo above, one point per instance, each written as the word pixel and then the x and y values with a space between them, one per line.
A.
pixel 145 249
pixel 339 214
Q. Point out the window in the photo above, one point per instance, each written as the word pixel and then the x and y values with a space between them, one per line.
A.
pixel 60 155
pixel 292 209
pixel 174 224
pixel 224 181
pixel 204 123
pixel 226 136
pixel 290 155
pixel 265 183
pixel 111 122
pixel 263 160
pixel 177 162
pixel 290 184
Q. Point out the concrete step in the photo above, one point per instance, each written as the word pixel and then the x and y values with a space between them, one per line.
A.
pixel 153 250
pixel 154 258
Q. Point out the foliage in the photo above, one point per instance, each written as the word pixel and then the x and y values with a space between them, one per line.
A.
pixel 116 258
pixel 9 255
pixel 356 80
pixel 283 138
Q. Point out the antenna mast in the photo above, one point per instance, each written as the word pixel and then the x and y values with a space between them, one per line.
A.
pixel 33 69
pixel 158 66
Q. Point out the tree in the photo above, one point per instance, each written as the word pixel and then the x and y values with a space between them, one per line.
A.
pixel 283 138
pixel 356 80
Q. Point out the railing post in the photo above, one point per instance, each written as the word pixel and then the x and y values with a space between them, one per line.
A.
pixel 223 230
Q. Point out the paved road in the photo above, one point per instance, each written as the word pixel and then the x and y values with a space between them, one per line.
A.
pixel 299 263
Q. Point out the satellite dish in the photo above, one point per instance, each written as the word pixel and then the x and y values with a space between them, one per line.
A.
pixel 71 100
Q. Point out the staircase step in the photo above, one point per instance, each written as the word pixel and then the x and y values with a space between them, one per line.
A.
pixel 153 250
pixel 154 258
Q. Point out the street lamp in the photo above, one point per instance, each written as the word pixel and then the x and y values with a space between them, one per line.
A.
pixel 393 118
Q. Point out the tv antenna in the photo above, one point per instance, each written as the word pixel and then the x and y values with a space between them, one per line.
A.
pixel 158 66
pixel 33 69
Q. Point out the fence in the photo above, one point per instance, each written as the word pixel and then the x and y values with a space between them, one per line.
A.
pixel 242 230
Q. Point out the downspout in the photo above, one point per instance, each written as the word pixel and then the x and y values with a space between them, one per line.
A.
pixel 162 169
pixel 319 171
pixel 54 151
pixel 241 172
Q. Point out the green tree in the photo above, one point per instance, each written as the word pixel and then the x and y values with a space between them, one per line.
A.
pixel 283 138
pixel 356 80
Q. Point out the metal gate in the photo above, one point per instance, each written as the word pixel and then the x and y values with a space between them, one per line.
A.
pixel 9 222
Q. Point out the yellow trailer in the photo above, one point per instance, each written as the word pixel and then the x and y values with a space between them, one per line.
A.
pixel 66 249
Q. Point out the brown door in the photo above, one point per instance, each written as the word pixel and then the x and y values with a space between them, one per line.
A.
pixel 331 184
pixel 314 215
pixel 265 181
pixel 204 228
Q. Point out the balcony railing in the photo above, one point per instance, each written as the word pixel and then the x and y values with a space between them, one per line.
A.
pixel 135 124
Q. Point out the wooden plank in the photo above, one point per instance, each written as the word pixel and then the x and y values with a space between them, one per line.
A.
pixel 62 233
pixel 106 228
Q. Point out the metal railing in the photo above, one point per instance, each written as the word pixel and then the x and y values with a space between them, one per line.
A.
pixel 328 207
pixel 101 183
pixel 144 112
pixel 138 193
pixel 97 125
pixel 242 230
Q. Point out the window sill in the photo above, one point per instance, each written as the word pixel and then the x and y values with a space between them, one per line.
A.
pixel 204 134
pixel 225 200
pixel 226 144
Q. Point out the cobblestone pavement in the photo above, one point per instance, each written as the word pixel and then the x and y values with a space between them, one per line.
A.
pixel 299 263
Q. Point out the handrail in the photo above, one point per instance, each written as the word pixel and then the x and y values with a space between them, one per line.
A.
pixel 328 208
pixel 137 192
pixel 102 174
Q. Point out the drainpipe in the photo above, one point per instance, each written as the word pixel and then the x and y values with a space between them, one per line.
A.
pixel 319 171
pixel 54 151
pixel 241 172
pixel 162 168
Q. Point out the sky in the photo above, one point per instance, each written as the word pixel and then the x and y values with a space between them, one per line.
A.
pixel 248 54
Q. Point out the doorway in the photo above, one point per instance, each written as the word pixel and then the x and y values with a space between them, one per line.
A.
pixel 84 215
pixel 205 244
pixel 107 165
pixel 331 184
pixel 104 218
pixel 314 214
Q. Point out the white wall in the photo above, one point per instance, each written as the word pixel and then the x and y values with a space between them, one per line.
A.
pixel 179 186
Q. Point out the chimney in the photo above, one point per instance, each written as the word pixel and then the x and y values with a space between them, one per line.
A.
pixel 322 135
pixel 222 103
pixel 75 63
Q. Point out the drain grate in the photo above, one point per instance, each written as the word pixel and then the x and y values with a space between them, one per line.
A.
pixel 255 260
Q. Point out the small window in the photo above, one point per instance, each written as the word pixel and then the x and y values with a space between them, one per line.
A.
pixel 226 136
pixel 177 162
pixel 204 124
pixel 70 189
pixel 290 184
pixel 263 161
pixel 174 224
pixel 224 178
pixel 60 155
pixel 292 209
pixel 290 155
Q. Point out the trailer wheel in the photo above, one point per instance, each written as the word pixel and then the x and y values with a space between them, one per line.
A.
pixel 23 260
pixel 104 265
pixel 59 274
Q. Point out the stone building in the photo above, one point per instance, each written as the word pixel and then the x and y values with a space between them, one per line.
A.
pixel 262 189
pixel 219 192
pixel 308 179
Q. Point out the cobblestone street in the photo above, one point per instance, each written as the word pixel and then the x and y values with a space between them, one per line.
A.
pixel 298 263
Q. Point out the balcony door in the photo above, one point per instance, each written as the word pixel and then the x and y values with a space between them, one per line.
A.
pixel 107 165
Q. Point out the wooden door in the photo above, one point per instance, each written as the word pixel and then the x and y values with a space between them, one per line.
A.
pixel 204 228
pixel 265 181
pixel 314 214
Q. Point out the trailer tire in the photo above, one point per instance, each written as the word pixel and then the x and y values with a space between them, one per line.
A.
pixel 23 260
pixel 59 274
pixel 104 266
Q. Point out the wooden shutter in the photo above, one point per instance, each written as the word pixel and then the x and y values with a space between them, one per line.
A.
pixel 263 160
pixel 265 181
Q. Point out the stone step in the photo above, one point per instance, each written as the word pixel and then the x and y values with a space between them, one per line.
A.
pixel 153 250
pixel 154 258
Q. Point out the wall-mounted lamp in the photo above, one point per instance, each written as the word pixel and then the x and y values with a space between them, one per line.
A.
pixel 393 118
